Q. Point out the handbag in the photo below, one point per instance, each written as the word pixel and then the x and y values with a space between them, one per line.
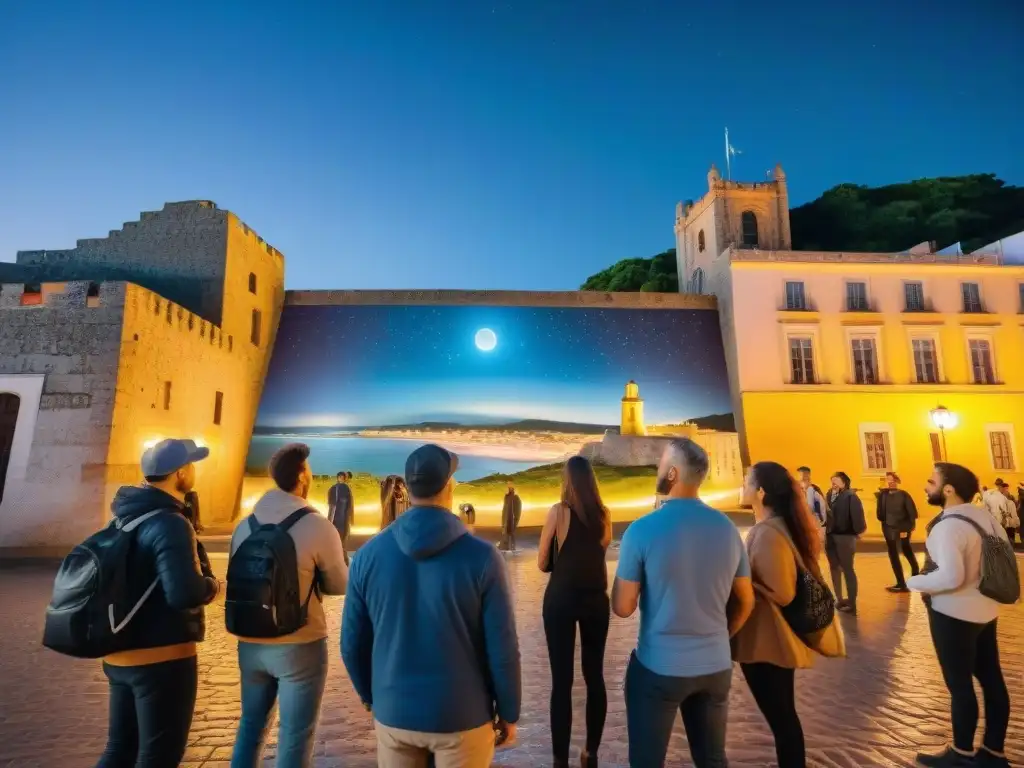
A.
pixel 813 607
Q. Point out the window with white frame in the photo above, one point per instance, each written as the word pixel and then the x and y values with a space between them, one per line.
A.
pixel 801 359
pixel 926 360
pixel 795 299
pixel 857 297
pixel 983 369
pixel 865 360
pixel 913 295
pixel 1001 447
pixel 877 448
pixel 971 294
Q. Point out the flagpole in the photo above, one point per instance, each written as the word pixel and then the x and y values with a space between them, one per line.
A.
pixel 728 159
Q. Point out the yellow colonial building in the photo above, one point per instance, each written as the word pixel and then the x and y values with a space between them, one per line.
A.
pixel 853 361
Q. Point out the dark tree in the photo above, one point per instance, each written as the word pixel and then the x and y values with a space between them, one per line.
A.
pixel 974 210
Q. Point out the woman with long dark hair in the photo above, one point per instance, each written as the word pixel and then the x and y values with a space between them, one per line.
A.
pixel 783 542
pixel 572 548
pixel 394 499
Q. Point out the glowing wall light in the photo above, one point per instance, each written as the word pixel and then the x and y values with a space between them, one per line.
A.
pixel 943 419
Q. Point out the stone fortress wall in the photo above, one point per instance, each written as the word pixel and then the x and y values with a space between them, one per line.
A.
pixel 61 359
pixel 147 367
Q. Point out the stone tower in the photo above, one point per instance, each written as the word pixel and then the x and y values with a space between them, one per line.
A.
pixel 732 214
pixel 632 411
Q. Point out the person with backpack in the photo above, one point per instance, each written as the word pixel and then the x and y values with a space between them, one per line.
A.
pixel 966 548
pixel 283 557
pixel 144 577
pixel 428 634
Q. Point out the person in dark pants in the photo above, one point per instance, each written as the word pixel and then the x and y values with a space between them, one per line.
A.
pixel 897 513
pixel 845 524
pixel 784 541
pixel 340 508
pixel 153 685
pixel 686 567
pixel 511 511
pixel 573 543
pixel 963 621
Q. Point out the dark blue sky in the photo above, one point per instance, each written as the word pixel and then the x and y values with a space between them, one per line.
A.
pixel 482 143
pixel 382 365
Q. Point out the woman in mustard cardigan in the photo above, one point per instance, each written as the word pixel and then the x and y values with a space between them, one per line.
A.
pixel 769 652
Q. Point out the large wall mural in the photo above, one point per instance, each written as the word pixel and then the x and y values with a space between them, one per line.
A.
pixel 513 389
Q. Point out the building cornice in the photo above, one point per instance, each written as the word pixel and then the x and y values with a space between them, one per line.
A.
pixel 754 256
pixel 568 299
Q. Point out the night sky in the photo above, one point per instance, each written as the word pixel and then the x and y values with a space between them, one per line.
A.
pixel 516 144
pixel 338 366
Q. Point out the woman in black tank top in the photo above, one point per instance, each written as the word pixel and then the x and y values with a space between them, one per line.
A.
pixel 572 549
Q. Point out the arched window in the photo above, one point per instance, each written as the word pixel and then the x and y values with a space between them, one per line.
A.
pixel 252 282
pixel 10 404
pixel 700 241
pixel 749 223
pixel 697 281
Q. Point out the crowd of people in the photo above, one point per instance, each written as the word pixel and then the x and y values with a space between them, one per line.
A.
pixel 428 633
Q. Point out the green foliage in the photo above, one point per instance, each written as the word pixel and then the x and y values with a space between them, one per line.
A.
pixel 655 274
pixel 974 210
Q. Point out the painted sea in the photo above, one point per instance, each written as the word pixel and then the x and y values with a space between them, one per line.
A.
pixel 376 456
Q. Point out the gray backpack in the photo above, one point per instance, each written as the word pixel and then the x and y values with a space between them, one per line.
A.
pixel 1000 578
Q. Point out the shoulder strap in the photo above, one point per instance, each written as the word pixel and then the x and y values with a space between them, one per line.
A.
pixel 293 518
pixel 254 524
pixel 981 531
pixel 792 546
pixel 133 524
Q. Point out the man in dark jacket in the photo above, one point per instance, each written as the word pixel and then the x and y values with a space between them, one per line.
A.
pixel 153 685
pixel 340 508
pixel 511 511
pixel 845 524
pixel 897 513
pixel 437 661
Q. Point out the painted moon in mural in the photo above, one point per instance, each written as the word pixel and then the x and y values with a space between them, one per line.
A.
pixel 486 340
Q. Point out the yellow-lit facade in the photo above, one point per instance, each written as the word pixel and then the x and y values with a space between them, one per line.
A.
pixel 836 360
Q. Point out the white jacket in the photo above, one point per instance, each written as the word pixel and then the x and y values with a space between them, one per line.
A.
pixel 1002 509
pixel 955 547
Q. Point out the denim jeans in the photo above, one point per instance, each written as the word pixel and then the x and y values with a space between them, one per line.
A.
pixel 293 675
pixel 652 701
pixel 150 713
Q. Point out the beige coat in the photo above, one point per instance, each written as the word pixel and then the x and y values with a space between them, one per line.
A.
pixel 766 637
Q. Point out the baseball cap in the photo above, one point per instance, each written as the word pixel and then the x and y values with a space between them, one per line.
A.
pixel 428 469
pixel 170 455
pixel 1001 484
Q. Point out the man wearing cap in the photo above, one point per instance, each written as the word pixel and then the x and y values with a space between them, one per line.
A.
pixel 428 632
pixel 153 685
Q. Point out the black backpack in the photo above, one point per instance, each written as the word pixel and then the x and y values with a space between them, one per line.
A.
pixel 91 604
pixel 263 582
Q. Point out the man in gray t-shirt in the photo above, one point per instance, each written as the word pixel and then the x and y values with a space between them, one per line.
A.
pixel 681 564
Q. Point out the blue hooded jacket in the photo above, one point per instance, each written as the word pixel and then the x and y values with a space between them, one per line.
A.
pixel 428 632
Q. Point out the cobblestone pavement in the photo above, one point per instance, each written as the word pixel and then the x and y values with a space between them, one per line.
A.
pixel 875 708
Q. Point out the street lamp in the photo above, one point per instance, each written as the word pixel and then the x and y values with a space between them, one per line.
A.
pixel 943 419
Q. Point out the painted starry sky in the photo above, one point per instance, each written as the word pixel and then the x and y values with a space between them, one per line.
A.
pixel 366 366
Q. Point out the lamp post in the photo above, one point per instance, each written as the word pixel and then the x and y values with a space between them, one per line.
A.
pixel 944 419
